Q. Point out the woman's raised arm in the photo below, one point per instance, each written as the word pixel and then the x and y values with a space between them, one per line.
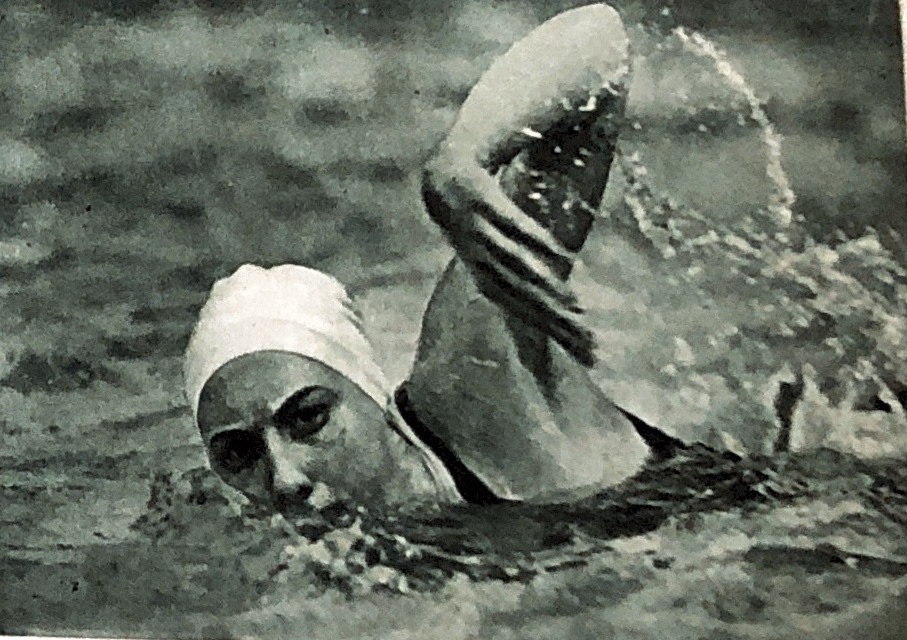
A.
pixel 537 131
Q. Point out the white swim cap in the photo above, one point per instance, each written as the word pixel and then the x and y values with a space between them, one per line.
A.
pixel 287 308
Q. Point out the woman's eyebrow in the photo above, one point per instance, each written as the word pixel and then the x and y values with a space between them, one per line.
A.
pixel 326 396
pixel 245 426
pixel 252 416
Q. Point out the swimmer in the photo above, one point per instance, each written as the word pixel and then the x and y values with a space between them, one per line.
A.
pixel 498 406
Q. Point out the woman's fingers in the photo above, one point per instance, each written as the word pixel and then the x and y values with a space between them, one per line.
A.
pixel 503 213
pixel 557 317
pixel 518 264
pixel 471 197
pixel 536 298
pixel 559 324
pixel 517 259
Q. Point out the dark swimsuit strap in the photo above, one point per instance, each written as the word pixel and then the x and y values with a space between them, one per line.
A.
pixel 663 446
pixel 469 486
pixel 473 490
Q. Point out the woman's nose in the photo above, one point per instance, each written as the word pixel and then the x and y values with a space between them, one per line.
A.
pixel 290 486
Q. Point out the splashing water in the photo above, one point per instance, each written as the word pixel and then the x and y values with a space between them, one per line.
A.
pixel 834 307
pixel 782 197
pixel 650 210
pixel 356 550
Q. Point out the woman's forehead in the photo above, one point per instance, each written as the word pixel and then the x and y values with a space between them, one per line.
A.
pixel 254 385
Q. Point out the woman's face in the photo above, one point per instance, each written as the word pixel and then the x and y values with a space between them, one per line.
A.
pixel 288 431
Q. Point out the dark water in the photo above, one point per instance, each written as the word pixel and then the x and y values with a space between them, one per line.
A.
pixel 148 149
pixel 199 552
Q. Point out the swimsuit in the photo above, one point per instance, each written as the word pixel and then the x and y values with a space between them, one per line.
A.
pixel 468 487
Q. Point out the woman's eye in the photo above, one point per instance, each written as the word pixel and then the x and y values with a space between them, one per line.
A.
pixel 236 451
pixel 306 412
pixel 317 416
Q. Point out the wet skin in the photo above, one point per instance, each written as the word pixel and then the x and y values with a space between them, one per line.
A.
pixel 288 431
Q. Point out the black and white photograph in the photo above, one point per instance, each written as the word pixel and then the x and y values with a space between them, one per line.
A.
pixel 499 319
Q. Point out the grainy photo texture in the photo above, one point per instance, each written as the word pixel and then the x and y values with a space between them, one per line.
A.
pixel 525 319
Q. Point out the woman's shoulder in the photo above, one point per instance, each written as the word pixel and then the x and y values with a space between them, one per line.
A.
pixel 454 477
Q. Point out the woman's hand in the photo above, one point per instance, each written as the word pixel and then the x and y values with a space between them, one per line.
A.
pixel 539 129
pixel 516 262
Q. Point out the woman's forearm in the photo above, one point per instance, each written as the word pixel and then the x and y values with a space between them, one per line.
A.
pixel 557 76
